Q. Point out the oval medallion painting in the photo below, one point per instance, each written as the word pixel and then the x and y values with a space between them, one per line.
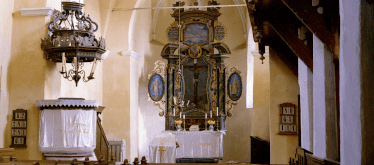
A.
pixel 156 87
pixel 234 87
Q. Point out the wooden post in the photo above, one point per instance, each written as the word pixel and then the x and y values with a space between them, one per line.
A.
pixel 136 161
pixel 144 161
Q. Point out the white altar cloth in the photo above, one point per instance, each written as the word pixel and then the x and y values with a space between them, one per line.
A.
pixel 199 144
pixel 67 131
pixel 162 148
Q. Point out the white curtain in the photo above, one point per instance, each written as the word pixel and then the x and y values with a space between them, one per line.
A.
pixel 67 131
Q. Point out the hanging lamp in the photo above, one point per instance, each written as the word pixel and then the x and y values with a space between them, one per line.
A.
pixel 71 39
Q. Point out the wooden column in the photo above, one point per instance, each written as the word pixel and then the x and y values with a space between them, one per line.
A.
pixel 221 86
pixel 170 90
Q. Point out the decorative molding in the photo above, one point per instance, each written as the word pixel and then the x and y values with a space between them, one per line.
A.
pixel 160 2
pixel 62 102
pixel 131 54
pixel 41 11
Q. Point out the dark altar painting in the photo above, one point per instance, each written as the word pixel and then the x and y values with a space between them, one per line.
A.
pixel 195 73
pixel 195 34
pixel 234 87
pixel 156 87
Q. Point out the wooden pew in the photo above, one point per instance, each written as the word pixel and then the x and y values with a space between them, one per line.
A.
pixel 7 154
pixel 305 157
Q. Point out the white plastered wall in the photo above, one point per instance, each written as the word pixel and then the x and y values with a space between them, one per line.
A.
pixel 319 104
pixel 6 10
pixel 356 89
pixel 306 105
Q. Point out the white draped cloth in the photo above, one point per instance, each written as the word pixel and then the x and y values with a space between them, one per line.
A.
pixel 162 148
pixel 67 131
pixel 199 144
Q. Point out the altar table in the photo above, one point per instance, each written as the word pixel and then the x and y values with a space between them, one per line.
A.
pixel 199 144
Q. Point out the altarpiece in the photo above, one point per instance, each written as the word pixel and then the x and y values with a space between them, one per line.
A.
pixel 195 86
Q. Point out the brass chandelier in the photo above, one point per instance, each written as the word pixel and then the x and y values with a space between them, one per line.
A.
pixel 72 40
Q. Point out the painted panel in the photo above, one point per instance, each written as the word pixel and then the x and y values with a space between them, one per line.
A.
pixel 196 34
pixel 234 87
pixel 156 87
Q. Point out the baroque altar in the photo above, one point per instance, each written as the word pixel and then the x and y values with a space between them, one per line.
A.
pixel 195 87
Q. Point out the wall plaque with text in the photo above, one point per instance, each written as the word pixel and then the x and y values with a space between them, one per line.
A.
pixel 287 124
pixel 19 128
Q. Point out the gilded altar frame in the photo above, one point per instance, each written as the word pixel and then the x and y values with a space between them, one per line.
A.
pixel 196 36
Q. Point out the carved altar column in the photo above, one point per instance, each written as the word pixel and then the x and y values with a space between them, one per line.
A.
pixel 169 125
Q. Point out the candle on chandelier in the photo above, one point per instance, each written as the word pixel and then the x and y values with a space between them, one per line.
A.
pixel 184 116
pixel 173 111
pixel 188 102
pixel 210 114
pixel 180 114
pixel 63 62
pixel 217 111
pixel 206 115
pixel 93 66
pixel 75 63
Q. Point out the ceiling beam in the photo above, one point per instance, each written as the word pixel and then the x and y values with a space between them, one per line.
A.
pixel 314 21
pixel 285 32
pixel 284 53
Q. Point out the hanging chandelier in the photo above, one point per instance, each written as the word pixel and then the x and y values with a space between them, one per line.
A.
pixel 71 39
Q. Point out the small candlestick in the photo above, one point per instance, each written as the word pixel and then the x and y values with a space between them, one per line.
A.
pixel 210 114
pixel 175 100
pixel 217 111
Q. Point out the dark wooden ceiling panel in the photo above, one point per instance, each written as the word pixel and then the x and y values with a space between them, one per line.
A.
pixel 314 21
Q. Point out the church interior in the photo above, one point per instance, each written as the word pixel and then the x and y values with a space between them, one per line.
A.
pixel 187 81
